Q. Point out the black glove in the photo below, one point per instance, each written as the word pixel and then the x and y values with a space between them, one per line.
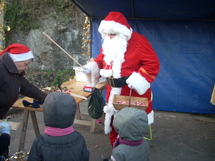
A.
pixel 26 103
pixel 38 102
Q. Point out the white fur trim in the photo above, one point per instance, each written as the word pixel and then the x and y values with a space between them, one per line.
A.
pixel 151 117
pixel 106 72
pixel 138 82
pixel 107 27
pixel 22 56
pixel 112 158
pixel 115 71
pixel 117 65
pixel 109 109
pixel 114 91
pixel 92 78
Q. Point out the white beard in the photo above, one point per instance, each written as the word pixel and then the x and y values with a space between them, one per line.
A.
pixel 114 48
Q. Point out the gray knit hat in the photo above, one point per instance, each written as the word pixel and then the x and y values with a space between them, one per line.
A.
pixel 59 110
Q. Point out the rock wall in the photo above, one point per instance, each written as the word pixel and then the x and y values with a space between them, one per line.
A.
pixel 68 35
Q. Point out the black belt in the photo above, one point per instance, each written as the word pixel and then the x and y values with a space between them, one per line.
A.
pixel 120 82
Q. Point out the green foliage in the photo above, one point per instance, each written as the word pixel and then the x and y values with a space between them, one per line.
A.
pixel 11 15
pixel 25 14
pixel 58 80
pixel 33 25
pixel 60 77
pixel 43 78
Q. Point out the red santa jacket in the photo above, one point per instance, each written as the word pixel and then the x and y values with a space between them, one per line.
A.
pixel 139 57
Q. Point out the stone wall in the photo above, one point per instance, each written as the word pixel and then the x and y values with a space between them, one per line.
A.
pixel 68 35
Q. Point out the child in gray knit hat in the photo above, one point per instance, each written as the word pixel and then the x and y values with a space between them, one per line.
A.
pixel 59 141
pixel 131 124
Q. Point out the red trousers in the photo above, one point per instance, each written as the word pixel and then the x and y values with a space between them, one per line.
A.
pixel 113 134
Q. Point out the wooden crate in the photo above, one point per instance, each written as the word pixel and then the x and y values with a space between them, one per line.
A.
pixel 120 102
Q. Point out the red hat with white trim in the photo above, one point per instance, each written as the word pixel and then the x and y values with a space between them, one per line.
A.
pixel 18 52
pixel 115 22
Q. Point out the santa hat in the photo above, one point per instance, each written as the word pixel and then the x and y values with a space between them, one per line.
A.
pixel 18 52
pixel 115 22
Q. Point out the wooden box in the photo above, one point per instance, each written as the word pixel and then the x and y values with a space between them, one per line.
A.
pixel 120 102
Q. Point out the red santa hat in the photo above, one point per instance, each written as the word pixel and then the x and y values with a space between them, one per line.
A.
pixel 18 52
pixel 115 22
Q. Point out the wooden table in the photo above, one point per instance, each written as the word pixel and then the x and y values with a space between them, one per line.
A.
pixel 76 87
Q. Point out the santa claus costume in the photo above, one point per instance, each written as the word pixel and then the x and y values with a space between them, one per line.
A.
pixel 127 61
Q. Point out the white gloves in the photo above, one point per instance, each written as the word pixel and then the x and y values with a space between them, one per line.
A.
pixel 91 71
pixel 86 70
pixel 4 127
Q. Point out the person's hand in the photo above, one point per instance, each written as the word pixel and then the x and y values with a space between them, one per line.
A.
pixel 4 127
pixel 86 70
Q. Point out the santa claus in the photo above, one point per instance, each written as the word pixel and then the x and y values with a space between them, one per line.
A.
pixel 128 61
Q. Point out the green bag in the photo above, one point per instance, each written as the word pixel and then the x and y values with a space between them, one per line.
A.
pixel 96 104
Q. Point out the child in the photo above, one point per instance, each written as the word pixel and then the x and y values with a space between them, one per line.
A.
pixel 4 139
pixel 131 125
pixel 59 141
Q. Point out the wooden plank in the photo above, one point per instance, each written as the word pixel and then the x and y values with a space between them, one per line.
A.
pixel 23 130
pixel 76 95
pixel 35 123
pixel 82 122
pixel 84 114
pixel 18 104
pixel 78 112
pixel 213 96
pixel 93 126
pixel 73 85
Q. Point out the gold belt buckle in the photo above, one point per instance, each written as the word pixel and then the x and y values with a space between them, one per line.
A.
pixel 110 81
